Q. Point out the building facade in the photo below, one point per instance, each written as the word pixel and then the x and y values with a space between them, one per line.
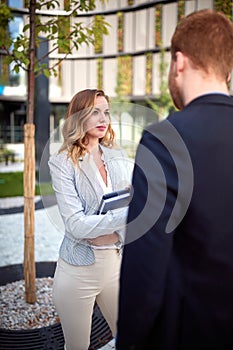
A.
pixel 126 64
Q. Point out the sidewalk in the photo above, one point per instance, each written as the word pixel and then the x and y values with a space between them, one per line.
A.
pixel 11 167
pixel 48 230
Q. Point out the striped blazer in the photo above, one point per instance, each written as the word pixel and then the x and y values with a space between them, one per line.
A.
pixel 78 193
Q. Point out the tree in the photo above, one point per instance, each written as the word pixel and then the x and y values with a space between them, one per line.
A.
pixel 20 52
pixel 163 104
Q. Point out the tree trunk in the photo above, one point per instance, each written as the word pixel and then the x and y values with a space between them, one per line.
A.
pixel 29 166
pixel 29 208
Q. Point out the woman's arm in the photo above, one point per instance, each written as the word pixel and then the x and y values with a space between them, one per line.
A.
pixel 79 225
pixel 111 238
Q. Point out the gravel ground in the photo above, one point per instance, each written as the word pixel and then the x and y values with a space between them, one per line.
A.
pixel 17 314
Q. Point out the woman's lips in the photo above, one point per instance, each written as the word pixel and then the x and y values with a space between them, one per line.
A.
pixel 101 127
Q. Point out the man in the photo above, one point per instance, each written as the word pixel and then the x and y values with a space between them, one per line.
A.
pixel 176 285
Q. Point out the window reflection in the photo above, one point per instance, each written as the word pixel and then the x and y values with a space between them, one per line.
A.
pixel 15 3
pixel 15 28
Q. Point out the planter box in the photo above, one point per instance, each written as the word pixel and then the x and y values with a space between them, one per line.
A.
pixel 51 337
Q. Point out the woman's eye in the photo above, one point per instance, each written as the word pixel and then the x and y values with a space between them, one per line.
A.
pixel 95 113
pixel 107 114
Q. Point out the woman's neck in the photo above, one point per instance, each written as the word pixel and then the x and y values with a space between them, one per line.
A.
pixel 94 149
pixel 92 146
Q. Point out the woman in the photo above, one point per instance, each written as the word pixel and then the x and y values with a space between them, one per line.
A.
pixel 87 166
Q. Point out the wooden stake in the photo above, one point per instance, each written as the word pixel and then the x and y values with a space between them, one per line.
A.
pixel 29 209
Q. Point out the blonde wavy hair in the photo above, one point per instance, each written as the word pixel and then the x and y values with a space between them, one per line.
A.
pixel 73 130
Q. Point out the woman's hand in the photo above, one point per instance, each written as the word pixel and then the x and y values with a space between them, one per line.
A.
pixel 111 238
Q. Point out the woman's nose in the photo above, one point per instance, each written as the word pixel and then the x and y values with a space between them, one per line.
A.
pixel 103 117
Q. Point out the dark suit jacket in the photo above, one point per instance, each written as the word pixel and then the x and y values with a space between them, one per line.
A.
pixel 176 285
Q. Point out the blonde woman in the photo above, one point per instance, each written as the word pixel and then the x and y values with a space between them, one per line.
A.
pixel 87 166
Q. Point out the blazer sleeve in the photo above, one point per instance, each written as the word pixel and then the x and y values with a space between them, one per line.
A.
pixel 147 247
pixel 79 225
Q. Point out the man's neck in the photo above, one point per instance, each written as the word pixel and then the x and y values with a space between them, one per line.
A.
pixel 202 85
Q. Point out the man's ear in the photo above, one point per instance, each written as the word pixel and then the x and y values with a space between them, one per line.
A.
pixel 180 62
pixel 228 77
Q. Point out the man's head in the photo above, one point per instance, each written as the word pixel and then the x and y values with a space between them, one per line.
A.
pixel 205 37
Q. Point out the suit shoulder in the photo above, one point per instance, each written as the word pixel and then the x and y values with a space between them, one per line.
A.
pixel 60 160
pixel 162 126
pixel 58 157
pixel 113 152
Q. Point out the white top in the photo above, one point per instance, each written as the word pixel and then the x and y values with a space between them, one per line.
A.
pixel 106 189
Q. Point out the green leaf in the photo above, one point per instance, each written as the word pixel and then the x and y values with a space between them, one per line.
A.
pixel 47 73
pixel 26 27
pixel 54 29
pixel 58 31
pixel 16 69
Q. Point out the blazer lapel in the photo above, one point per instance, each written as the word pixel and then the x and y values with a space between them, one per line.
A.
pixel 109 155
pixel 88 176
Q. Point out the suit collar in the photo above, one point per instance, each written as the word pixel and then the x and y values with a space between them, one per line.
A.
pixel 213 98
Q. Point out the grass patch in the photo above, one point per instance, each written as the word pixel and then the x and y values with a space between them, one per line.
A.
pixel 44 189
pixel 11 185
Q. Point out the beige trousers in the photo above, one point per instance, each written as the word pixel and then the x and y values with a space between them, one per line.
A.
pixel 75 290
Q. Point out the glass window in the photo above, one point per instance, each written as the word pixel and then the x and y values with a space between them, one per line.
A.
pixel 16 3
pixel 15 28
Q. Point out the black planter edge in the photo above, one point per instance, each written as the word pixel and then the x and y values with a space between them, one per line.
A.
pixel 53 335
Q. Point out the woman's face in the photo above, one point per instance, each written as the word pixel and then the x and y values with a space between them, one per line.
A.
pixel 97 124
